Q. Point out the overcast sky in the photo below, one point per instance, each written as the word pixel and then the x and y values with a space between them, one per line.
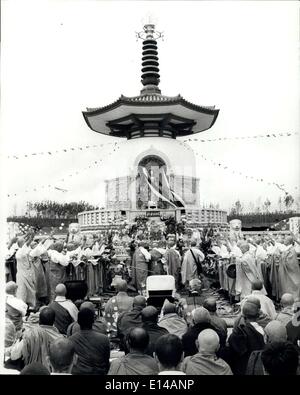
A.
pixel 59 57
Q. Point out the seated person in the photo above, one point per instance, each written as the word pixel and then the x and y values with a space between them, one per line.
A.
pixel 136 362
pixel 169 355
pixel 206 362
pixel 280 359
pixel 149 319
pixel 99 325
pixel 92 348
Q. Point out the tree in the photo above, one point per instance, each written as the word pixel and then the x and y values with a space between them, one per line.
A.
pixel 238 207
pixel 288 201
pixel 267 205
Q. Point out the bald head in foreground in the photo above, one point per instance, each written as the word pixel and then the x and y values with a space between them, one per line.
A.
pixel 208 342
pixel 136 361
pixel 206 361
pixel 61 356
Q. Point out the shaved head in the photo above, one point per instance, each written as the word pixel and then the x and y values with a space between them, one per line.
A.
pixel 150 314
pixel 243 246
pixel 287 300
pixel 201 315
pixel 210 304
pixel 58 246
pixel 275 332
pixel 61 354
pixel 11 288
pixel 251 308
pixel 138 339
pixel 88 305
pixel 139 300
pixel 47 316
pixel 257 285
pixel 60 290
pixel 208 341
pixel 121 286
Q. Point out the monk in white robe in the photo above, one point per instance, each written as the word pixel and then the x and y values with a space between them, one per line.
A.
pixel 246 272
pixel 192 258
pixel 58 263
pixel 25 271
pixel 289 271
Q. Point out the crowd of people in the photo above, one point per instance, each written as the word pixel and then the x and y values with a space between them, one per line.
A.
pixel 72 338
pixel 46 332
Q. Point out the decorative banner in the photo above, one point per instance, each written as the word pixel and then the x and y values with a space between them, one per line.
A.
pixel 96 162
pixel 157 193
pixel 63 150
pixel 281 187
pixel 242 137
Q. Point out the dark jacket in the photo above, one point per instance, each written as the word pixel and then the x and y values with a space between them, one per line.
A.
pixel 243 340
pixel 155 332
pixel 293 332
pixel 93 351
pixel 190 337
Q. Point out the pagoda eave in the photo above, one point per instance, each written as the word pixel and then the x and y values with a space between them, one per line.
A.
pixel 111 120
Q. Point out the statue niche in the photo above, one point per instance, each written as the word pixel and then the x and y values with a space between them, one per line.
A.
pixel 151 184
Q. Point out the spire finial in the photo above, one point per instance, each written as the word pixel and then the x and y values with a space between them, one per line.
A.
pixel 150 70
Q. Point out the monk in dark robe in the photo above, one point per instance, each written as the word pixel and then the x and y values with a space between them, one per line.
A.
pixel 173 261
pixel 289 270
pixel 140 262
pixel 65 310
pixel 136 362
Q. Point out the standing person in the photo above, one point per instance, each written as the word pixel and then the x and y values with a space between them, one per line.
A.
pixel 205 361
pixel 10 260
pixel 136 362
pixel 92 348
pixel 25 278
pixel 191 263
pixel 289 270
pixel 140 262
pixel 246 272
pixel 262 264
pixel 58 263
pixel 65 310
pixel 173 260
pixel 169 355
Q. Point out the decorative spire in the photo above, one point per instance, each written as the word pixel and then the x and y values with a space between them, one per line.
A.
pixel 150 70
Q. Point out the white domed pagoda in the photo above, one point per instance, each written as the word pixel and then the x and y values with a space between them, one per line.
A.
pixel 158 175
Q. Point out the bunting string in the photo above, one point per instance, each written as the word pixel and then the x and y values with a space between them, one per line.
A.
pixel 271 135
pixel 64 179
pixel 63 150
pixel 237 172
pixel 83 148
